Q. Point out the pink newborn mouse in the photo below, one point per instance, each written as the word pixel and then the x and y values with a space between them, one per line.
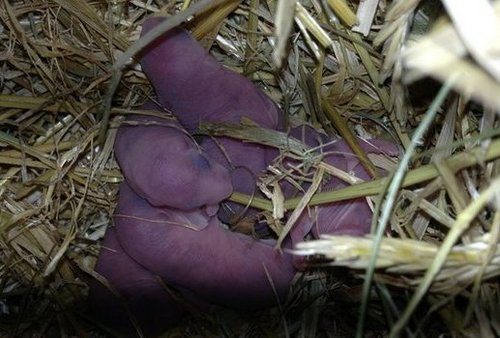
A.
pixel 166 225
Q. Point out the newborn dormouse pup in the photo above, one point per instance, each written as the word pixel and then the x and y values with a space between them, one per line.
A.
pixel 167 229
pixel 196 88
pixel 163 164
pixel 149 246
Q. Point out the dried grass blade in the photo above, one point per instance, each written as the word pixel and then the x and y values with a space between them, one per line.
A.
pixel 458 162
pixel 491 251
pixel 8 160
pixel 461 224
pixel 7 220
pixel 455 189
pixel 283 22
pixel 313 26
pixel 344 12
pixel 251 133
pixel 397 10
pixel 87 14
pixel 435 212
pixel 251 46
pixel 15 143
pixel 365 15
pixel 446 135
pixel 381 91
pixel 304 200
pixel 349 137
pixel 28 102
pixel 208 22
pixel 313 47
pixel 392 193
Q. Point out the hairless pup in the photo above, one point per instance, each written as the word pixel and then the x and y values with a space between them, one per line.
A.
pixel 196 88
pixel 155 238
pixel 166 225
pixel 163 164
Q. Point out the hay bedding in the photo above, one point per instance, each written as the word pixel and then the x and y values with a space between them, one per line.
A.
pixel 59 179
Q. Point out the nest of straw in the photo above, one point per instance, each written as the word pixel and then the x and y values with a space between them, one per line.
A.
pixel 371 68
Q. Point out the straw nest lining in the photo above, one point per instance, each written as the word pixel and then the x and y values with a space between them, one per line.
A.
pixel 59 180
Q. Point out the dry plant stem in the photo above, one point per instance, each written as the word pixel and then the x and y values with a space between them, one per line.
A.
pixel 347 134
pixel 14 143
pixel 251 47
pixel 105 109
pixel 429 208
pixel 283 22
pixel 453 187
pixel 310 99
pixel 493 240
pixel 365 14
pixel 70 236
pixel 29 102
pixel 381 91
pixel 312 26
pixel 344 12
pixel 393 190
pixel 461 224
pixel 250 133
pixel 318 176
pixel 457 162
pixel 208 23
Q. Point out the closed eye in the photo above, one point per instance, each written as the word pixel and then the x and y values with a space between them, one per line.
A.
pixel 201 162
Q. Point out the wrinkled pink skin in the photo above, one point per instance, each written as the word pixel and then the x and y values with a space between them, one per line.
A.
pixel 197 88
pixel 155 236
pixel 193 85
pixel 217 265
pixel 211 265
pixel 145 149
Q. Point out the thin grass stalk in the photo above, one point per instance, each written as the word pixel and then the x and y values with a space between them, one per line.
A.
pixel 393 190
pixel 462 222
